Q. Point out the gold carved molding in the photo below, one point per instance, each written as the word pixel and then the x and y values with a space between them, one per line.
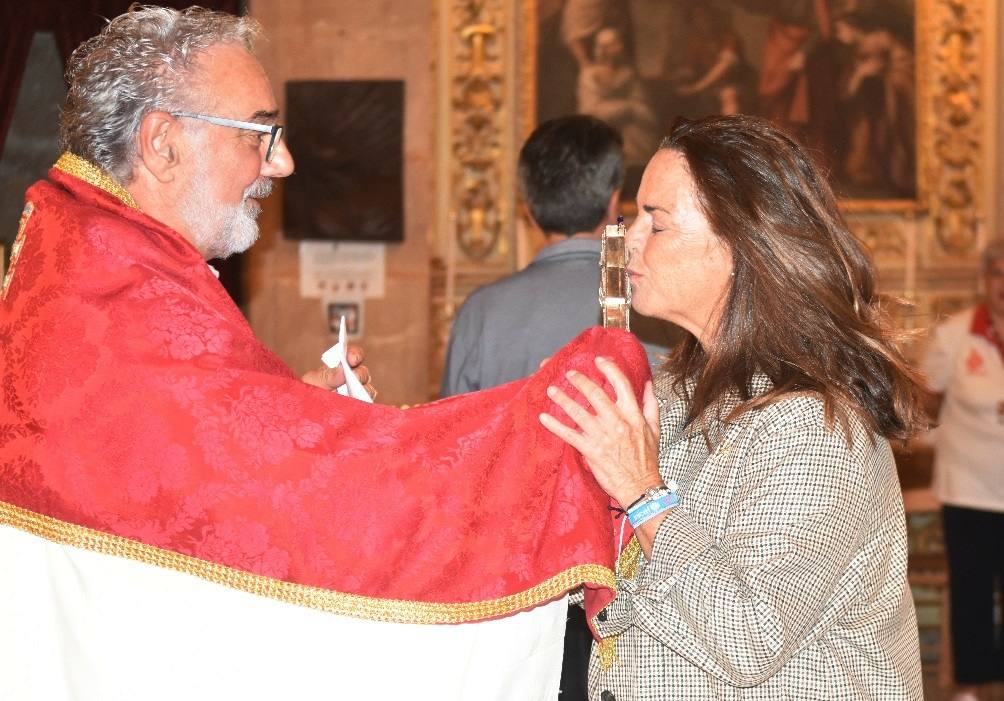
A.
pixel 475 153
pixel 477 86
pixel 885 238
pixel 956 41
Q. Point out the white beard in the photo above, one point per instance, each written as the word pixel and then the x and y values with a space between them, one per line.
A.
pixel 219 231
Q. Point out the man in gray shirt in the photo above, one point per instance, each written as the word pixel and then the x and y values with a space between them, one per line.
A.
pixel 570 174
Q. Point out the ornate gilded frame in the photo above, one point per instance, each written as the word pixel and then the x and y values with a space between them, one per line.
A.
pixel 948 49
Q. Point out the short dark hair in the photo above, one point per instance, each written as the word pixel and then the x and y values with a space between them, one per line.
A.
pixel 803 307
pixel 568 169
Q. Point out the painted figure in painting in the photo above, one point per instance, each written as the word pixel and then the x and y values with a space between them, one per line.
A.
pixel 610 89
pixel 838 74
pixel 716 72
pixel 877 96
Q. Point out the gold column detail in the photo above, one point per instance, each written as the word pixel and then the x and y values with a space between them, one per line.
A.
pixel 956 205
pixel 478 120
pixel 475 156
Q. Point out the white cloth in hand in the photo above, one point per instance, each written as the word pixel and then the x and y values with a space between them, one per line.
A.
pixel 335 356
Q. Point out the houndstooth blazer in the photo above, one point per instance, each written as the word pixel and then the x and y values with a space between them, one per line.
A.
pixel 781 574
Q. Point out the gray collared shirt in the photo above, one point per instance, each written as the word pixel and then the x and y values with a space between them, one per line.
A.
pixel 503 330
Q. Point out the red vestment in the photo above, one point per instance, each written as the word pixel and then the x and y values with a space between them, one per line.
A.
pixel 137 402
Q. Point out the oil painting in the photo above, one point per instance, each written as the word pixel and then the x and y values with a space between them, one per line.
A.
pixel 837 74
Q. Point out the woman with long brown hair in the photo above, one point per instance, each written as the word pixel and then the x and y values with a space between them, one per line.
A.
pixel 757 475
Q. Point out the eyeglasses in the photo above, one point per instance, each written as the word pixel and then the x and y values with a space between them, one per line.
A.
pixel 273 130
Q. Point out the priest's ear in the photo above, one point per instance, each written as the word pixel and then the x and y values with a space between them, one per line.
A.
pixel 158 147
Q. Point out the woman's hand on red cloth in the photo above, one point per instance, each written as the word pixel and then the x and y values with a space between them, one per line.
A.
pixel 618 439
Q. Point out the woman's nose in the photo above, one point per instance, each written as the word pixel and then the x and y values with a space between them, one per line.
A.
pixel 634 238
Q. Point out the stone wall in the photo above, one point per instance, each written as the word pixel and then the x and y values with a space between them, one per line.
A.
pixel 346 40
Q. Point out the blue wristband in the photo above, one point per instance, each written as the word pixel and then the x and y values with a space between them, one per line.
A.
pixel 650 508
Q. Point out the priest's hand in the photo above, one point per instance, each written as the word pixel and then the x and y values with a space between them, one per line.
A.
pixel 333 378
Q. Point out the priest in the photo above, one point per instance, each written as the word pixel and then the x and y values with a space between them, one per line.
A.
pixel 182 517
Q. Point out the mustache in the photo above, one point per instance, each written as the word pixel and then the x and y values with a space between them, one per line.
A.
pixel 262 187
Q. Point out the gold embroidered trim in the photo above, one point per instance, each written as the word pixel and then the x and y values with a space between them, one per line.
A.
pixel 630 559
pixel 15 249
pixel 607 652
pixel 88 172
pixel 389 610
pixel 627 565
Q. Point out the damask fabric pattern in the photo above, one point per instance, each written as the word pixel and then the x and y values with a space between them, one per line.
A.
pixel 781 575
pixel 136 401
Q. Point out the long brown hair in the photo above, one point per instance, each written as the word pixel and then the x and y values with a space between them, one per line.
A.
pixel 802 308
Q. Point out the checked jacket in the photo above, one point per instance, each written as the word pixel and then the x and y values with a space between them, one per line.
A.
pixel 781 574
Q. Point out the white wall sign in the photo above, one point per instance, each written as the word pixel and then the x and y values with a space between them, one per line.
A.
pixel 341 270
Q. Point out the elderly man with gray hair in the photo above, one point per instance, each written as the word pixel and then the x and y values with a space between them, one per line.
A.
pixel 180 515
pixel 171 113
pixel 964 364
pixel 176 109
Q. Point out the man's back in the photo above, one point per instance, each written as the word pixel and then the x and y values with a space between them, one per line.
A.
pixel 504 330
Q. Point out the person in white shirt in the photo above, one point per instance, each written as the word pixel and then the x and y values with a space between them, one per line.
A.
pixel 965 368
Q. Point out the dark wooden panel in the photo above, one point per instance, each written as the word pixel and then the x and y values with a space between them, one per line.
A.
pixel 346 138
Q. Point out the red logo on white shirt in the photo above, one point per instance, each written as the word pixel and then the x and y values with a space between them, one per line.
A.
pixel 975 365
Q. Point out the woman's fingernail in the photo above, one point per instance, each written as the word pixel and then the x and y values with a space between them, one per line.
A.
pixel 570 374
pixel 551 391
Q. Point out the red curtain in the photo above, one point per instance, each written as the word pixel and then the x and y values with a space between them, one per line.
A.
pixel 70 22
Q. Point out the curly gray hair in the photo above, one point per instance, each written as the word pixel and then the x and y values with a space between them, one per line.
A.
pixel 138 64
